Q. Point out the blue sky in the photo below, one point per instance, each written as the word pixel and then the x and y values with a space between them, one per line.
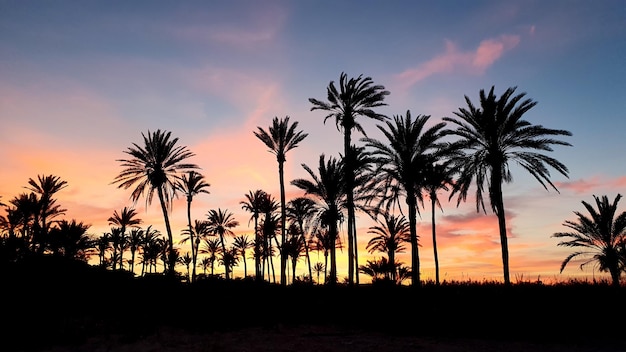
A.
pixel 81 80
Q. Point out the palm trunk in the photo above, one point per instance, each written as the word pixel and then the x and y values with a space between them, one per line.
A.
pixel 415 261
pixel 170 239
pixel 306 249
pixel 333 255
pixel 226 268
pixel 349 174
pixel 191 239
pixel 356 254
pixel 498 205
pixel 257 250
pixel 433 200
pixel 283 220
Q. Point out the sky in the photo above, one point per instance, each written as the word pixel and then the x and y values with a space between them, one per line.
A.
pixel 82 80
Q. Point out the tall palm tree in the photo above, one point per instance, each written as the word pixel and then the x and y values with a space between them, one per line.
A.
pixel 389 236
pixel 242 243
pixel 253 204
pixel 301 210
pixel 401 161
pixel 438 176
pixel 46 186
pixel 492 135
pixel 355 97
pixel 281 138
pixel 328 187
pixel 220 223
pixel 191 184
pixel 600 236
pixel 155 167
pixel 126 218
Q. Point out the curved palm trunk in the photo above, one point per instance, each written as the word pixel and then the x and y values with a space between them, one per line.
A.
pixel 415 261
pixel 498 204
pixel 433 200
pixel 283 220
pixel 170 239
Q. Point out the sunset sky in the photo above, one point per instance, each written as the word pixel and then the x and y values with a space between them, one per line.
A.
pixel 82 80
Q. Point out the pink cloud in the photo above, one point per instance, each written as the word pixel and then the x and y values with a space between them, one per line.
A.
pixel 453 59
pixel 592 185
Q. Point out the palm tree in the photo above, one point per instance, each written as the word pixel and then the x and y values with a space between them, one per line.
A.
pixel 102 244
pixel 328 187
pixel 135 239
pixel 356 97
pixel 186 260
pixel 220 222
pixel 601 235
pixel 319 268
pixel 154 167
pixel 437 176
pixel 70 239
pixel 191 184
pixel 401 161
pixel 253 204
pixel 212 247
pixel 389 236
pixel 46 187
pixel 280 139
pixel 492 135
pixel 127 217
pixel 241 244
pixel 301 210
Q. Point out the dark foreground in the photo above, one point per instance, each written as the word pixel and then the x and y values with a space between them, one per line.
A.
pixel 84 309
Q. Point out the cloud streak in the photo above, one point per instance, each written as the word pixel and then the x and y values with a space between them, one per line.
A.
pixel 455 60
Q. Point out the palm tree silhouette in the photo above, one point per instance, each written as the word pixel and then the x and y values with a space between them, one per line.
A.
pixel 301 210
pixel 355 97
pixel 70 239
pixel 191 184
pixel 155 167
pixel 46 187
pixel 253 204
pixel 241 244
pixel 135 239
pixel 600 236
pixel 489 137
pixel 127 217
pixel 212 247
pixel 328 187
pixel 220 222
pixel 280 139
pixel 319 268
pixel 437 176
pixel 400 168
pixel 389 236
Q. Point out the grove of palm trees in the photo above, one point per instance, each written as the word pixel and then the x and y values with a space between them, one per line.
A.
pixel 67 285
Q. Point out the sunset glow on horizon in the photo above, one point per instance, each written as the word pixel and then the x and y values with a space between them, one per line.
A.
pixel 81 82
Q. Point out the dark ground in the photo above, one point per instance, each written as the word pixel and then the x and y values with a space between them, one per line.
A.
pixel 84 309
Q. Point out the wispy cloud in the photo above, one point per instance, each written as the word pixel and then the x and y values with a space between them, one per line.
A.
pixel 455 60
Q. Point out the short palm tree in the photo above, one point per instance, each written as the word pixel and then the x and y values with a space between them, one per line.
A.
pixel 191 184
pixel 70 239
pixel 389 238
pixel 281 138
pixel 301 210
pixel 253 204
pixel 328 187
pixel 212 247
pixel 599 236
pixel 220 223
pixel 242 243
pixel 492 135
pixel 126 218
pixel 46 187
pixel 401 161
pixel 356 97
pixel 135 239
pixel 155 166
